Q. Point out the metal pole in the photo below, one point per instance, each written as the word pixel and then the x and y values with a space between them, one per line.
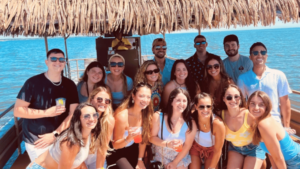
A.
pixel 164 36
pixel 199 30
pixel 67 58
pixel 46 43
pixel 17 133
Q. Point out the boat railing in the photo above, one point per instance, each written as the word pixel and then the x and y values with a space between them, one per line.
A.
pixel 77 67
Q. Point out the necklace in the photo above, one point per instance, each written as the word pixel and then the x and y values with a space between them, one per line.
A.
pixel 178 83
pixel 53 82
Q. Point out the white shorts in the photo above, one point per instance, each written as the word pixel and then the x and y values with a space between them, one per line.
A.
pixel 34 153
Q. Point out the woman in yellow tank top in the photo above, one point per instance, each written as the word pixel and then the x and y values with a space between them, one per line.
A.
pixel 238 128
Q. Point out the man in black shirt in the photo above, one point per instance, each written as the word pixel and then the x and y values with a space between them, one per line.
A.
pixel 43 121
pixel 197 61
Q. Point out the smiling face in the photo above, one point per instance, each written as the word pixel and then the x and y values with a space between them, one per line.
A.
pixel 100 103
pixel 181 71
pixel 88 118
pixel 159 52
pixel 56 66
pixel 142 97
pixel 231 48
pixel 116 70
pixel 151 78
pixel 179 103
pixel 232 98
pixel 214 70
pixel 203 109
pixel 258 60
pixel 95 75
pixel 257 107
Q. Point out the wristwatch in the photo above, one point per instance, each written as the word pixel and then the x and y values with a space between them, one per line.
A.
pixel 55 133
pixel 140 159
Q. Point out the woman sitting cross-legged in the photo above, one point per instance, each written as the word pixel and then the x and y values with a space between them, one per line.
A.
pixel 271 136
pixel 210 136
pixel 174 131
pixel 239 132
pixel 72 146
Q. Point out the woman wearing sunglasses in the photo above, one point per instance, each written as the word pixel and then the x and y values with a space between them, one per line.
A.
pixel 93 77
pixel 101 99
pixel 174 131
pixel 239 132
pixel 180 78
pixel 71 147
pixel 132 129
pixel 210 137
pixel 120 84
pixel 149 73
pixel 271 136
pixel 216 79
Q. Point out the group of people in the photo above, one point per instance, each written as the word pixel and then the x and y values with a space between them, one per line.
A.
pixel 184 113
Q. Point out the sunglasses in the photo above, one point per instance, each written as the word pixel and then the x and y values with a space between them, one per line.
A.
pixel 54 59
pixel 88 116
pixel 200 43
pixel 215 66
pixel 100 100
pixel 263 52
pixel 236 97
pixel 201 107
pixel 150 72
pixel 114 64
pixel 159 47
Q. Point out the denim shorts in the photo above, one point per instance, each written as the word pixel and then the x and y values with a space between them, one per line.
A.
pixel 293 163
pixel 249 150
pixel 34 166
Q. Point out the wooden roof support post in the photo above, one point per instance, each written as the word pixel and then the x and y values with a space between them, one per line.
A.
pixel 199 30
pixel 68 72
pixel 46 42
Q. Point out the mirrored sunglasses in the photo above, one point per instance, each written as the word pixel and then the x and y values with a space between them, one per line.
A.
pixel 54 59
pixel 88 116
pixel 236 97
pixel 255 53
pixel 159 47
pixel 200 43
pixel 150 72
pixel 201 107
pixel 215 66
pixel 100 100
pixel 114 64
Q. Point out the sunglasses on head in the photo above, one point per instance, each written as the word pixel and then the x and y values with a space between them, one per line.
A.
pixel 114 64
pixel 88 116
pixel 215 66
pixel 201 107
pixel 100 100
pixel 236 97
pixel 200 43
pixel 54 59
pixel 263 52
pixel 150 72
pixel 159 47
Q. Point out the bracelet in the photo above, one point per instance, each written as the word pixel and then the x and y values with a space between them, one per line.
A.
pixel 141 159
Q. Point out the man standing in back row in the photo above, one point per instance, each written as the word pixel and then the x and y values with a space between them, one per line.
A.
pixel 197 61
pixel 46 102
pixel 235 64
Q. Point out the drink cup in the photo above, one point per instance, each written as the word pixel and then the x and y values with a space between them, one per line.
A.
pixel 178 147
pixel 60 101
pixel 137 138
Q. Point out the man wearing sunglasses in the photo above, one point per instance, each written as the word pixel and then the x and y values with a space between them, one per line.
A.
pixel 271 81
pixel 159 49
pixel 36 104
pixel 196 62
pixel 120 43
pixel 235 64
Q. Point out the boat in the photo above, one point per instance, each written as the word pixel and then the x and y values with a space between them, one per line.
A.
pixel 65 18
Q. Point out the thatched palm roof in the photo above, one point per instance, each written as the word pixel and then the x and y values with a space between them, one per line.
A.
pixel 59 17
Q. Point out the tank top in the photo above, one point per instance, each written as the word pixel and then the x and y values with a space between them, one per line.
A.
pixel 82 155
pixel 288 147
pixel 178 86
pixel 132 141
pixel 243 136
pixel 170 136
pixel 205 139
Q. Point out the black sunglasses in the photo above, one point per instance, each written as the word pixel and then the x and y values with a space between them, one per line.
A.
pixel 54 59
pixel 150 72
pixel 159 47
pixel 236 97
pixel 114 64
pixel 215 66
pixel 200 43
pixel 88 116
pixel 100 100
pixel 201 107
pixel 263 52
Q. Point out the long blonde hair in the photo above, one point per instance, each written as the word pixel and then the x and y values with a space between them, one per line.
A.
pixel 147 113
pixel 101 141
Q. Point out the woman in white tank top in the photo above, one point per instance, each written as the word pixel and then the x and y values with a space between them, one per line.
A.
pixel 72 146
pixel 177 130
pixel 210 136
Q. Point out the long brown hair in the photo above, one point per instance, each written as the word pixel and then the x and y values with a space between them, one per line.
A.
pixel 102 140
pixel 147 113
pixel 267 102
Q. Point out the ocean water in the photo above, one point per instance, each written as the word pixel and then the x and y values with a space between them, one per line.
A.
pixel 23 58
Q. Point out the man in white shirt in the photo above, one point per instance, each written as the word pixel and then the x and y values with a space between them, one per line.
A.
pixel 271 81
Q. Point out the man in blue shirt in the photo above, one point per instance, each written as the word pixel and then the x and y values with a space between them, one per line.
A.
pixel 159 49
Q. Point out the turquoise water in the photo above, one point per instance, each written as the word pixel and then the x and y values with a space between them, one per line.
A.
pixel 23 58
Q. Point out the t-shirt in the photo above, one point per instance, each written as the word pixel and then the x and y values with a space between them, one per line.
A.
pixel 235 69
pixel 273 83
pixel 41 94
pixel 166 73
pixel 124 40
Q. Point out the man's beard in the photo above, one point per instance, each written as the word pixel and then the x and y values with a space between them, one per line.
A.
pixel 231 55
pixel 160 56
